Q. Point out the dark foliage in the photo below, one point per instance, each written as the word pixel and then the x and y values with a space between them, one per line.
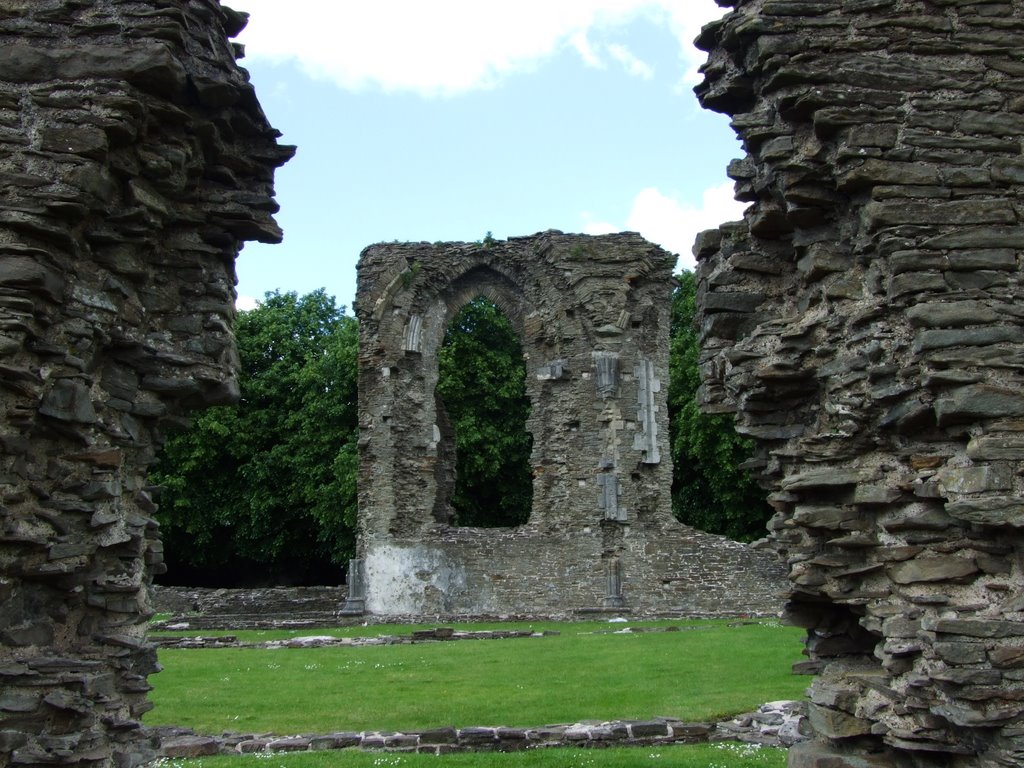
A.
pixel 483 387
pixel 709 491
pixel 264 491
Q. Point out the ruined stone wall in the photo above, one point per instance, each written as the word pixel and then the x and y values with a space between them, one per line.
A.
pixel 134 160
pixel 234 609
pixel 593 316
pixel 864 323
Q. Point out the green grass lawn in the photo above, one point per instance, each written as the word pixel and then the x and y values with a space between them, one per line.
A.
pixel 705 672
pixel 695 756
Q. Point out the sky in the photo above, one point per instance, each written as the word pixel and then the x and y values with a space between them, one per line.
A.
pixel 453 119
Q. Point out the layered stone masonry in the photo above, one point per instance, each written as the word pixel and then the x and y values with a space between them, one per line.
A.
pixel 593 318
pixel 863 322
pixel 134 160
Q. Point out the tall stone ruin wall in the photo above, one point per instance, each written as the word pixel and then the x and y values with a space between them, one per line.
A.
pixel 593 317
pixel 863 322
pixel 134 160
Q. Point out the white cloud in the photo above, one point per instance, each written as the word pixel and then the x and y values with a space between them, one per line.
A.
pixel 672 224
pixel 632 64
pixel 581 43
pixel 246 303
pixel 449 46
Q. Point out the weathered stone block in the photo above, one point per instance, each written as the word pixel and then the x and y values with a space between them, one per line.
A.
pixel 995 447
pixel 439 736
pixel 1007 656
pixel 823 516
pixel 974 717
pixel 836 724
pixel 874 172
pixel 878 215
pixel 974 627
pixel 84 140
pixel 972 337
pixel 189 746
pixel 988 477
pixel 825 478
pixel 956 313
pixel 477 736
pixel 648 729
pixel 989 510
pixel 291 744
pixel 978 401
pixel 959 653
pixel 31 273
pixel 68 400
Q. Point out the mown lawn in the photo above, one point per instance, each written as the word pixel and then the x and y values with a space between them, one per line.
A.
pixel 708 670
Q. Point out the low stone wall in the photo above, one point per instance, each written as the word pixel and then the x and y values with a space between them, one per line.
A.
pixel 181 601
pixel 774 724
pixel 438 634
pixel 668 569
pixel 296 607
pixel 272 607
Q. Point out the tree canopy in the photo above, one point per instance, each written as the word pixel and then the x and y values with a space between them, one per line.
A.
pixel 709 490
pixel 482 385
pixel 268 484
pixel 264 491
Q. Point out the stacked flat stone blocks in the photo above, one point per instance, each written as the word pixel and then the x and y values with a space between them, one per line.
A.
pixel 592 314
pixel 134 160
pixel 863 322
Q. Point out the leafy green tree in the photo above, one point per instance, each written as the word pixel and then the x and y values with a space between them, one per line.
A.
pixel 482 386
pixel 265 490
pixel 268 485
pixel 709 491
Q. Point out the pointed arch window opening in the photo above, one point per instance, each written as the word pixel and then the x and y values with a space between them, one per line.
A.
pixel 485 478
